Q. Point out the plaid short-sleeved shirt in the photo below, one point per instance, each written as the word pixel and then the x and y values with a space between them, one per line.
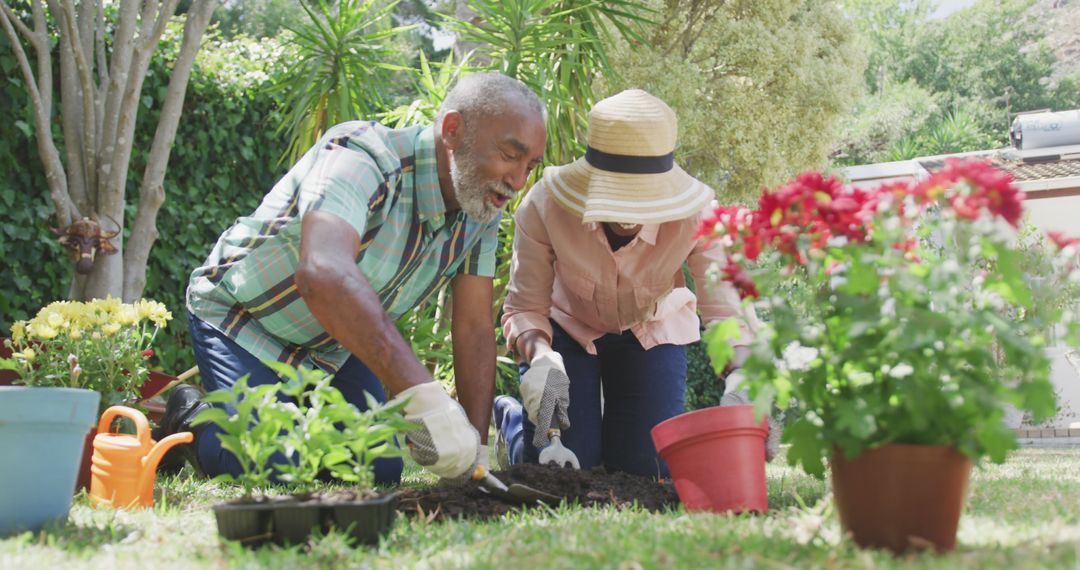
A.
pixel 383 182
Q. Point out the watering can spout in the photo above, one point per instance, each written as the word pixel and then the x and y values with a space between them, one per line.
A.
pixel 150 462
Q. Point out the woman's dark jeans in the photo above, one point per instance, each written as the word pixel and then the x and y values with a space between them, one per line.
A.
pixel 641 388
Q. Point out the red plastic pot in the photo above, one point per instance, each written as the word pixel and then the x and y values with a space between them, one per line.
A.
pixel 717 458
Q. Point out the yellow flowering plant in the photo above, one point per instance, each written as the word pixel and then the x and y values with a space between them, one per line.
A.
pixel 100 345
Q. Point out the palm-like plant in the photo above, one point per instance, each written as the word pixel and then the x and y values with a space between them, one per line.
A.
pixel 431 84
pixel 555 47
pixel 343 63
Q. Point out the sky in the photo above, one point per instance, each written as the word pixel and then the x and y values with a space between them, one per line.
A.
pixel 946 7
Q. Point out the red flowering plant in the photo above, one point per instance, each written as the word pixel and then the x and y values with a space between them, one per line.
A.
pixel 921 324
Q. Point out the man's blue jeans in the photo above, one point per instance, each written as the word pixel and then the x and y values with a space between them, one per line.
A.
pixel 641 388
pixel 222 362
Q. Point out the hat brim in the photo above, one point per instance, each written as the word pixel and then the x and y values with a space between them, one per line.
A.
pixel 602 196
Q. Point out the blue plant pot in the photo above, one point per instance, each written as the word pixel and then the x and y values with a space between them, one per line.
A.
pixel 42 433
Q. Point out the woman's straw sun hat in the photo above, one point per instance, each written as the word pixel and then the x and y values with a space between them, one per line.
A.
pixel 628 174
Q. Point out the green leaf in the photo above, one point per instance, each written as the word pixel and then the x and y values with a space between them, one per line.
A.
pixel 853 418
pixel 216 416
pixel 862 278
pixel 717 343
pixel 996 440
pixel 807 448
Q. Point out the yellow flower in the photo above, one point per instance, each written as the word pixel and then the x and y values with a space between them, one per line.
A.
pixel 75 313
pixel 43 331
pixel 56 320
pixel 27 354
pixel 76 333
pixel 110 328
pixel 109 304
pixel 18 331
pixel 127 315
pixel 161 319
pixel 153 311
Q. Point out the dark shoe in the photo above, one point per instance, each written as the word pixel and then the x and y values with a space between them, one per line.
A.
pixel 185 402
pixel 506 415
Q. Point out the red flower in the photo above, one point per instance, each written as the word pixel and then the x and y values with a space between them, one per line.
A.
pixel 800 218
pixel 972 185
pixel 148 353
pixel 1061 240
pixel 740 278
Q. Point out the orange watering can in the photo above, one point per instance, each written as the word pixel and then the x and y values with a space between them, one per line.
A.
pixel 123 468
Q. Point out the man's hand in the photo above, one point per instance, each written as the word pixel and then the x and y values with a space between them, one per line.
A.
pixel 445 443
pixel 733 396
pixel 545 389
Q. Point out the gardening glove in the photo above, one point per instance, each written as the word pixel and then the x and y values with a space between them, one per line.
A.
pixel 445 443
pixel 733 396
pixel 545 391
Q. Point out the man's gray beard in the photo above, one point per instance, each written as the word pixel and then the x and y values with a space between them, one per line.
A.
pixel 470 187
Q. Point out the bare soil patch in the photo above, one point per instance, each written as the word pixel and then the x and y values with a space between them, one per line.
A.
pixel 591 488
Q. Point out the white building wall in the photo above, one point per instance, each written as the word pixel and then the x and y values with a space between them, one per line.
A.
pixel 1061 213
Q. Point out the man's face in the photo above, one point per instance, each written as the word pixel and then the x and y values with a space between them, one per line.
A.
pixel 472 186
pixel 493 161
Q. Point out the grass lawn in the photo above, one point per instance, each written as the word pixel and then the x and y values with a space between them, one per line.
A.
pixel 1023 514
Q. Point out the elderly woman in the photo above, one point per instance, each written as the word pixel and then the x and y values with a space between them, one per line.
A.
pixel 596 303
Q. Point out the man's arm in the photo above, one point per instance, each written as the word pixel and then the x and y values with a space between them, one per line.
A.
pixel 341 299
pixel 473 333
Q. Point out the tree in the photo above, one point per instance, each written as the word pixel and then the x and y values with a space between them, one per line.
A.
pixel 889 33
pixel 257 18
pixel 894 113
pixel 991 51
pixel 103 50
pixel 978 64
pixel 758 85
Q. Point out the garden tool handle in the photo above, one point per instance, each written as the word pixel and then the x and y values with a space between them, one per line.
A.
pixel 142 426
pixel 554 429
pixel 486 478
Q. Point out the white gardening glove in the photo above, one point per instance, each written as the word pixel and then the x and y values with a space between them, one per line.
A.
pixel 545 391
pixel 733 396
pixel 445 443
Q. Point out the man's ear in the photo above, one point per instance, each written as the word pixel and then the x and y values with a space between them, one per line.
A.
pixel 452 129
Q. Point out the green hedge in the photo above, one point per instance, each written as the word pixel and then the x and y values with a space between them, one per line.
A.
pixel 223 161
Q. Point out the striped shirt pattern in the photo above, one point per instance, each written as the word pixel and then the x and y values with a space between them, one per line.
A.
pixel 384 182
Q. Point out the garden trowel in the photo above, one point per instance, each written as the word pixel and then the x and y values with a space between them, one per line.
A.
pixel 557 453
pixel 515 493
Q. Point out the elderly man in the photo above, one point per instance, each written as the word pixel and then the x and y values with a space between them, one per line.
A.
pixel 361 230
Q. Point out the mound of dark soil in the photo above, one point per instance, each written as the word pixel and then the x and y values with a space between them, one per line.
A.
pixel 586 488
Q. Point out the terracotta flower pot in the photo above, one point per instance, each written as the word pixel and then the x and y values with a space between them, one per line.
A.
pixel 902 497
pixel 717 458
pixel 82 479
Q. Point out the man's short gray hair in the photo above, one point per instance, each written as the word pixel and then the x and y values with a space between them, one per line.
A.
pixel 489 94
